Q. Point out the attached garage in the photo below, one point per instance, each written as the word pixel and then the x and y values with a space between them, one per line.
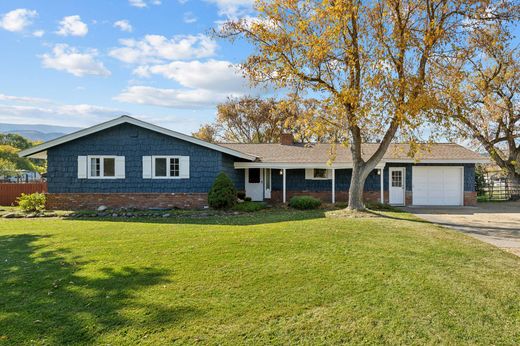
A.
pixel 438 185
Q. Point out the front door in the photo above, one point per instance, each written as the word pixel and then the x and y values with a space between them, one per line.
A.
pixel 254 184
pixel 267 183
pixel 397 185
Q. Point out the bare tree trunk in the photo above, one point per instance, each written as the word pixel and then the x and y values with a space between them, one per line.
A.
pixel 357 184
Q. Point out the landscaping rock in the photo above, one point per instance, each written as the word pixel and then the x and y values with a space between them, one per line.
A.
pixel 12 216
pixel 102 208
pixel 166 215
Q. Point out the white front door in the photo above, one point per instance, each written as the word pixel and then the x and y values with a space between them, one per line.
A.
pixel 267 183
pixel 397 185
pixel 254 184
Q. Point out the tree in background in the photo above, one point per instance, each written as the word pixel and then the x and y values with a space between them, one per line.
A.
pixel 483 93
pixel 251 119
pixel 368 62
pixel 16 141
pixel 10 145
pixel 7 168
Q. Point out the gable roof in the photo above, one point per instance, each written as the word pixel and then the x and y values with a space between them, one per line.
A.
pixel 321 152
pixel 39 151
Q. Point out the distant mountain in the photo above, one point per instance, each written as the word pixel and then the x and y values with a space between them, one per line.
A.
pixel 37 132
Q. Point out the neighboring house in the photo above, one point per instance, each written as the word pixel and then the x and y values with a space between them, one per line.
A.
pixel 21 176
pixel 126 162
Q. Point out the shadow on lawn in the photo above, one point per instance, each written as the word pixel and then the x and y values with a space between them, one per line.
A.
pixel 201 218
pixel 44 299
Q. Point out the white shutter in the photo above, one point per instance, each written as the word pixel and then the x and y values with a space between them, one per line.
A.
pixel 309 173
pixel 120 167
pixel 82 167
pixel 184 167
pixel 147 167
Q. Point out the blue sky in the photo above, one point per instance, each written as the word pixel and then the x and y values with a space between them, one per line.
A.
pixel 77 63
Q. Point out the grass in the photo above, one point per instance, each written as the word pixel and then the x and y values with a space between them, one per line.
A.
pixel 272 277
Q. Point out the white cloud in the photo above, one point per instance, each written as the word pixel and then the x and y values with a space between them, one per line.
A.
pixel 32 110
pixel 233 8
pixel 157 48
pixel 71 60
pixel 172 98
pixel 216 75
pixel 72 26
pixel 38 33
pixel 17 20
pixel 143 3
pixel 123 25
pixel 189 18
pixel 201 85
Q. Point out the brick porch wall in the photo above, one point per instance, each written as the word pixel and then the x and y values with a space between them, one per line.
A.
pixel 90 201
pixel 326 196
pixel 470 198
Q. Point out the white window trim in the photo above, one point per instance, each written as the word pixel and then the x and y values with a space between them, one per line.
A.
pixel 312 177
pixel 168 158
pixel 101 168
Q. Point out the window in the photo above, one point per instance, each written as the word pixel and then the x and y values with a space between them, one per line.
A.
pixel 254 175
pixel 166 167
pixel 320 173
pixel 102 167
pixel 397 179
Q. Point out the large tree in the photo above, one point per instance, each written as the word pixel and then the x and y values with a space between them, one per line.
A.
pixel 368 61
pixel 250 119
pixel 482 93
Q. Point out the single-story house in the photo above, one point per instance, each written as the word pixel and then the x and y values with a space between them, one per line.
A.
pixel 126 162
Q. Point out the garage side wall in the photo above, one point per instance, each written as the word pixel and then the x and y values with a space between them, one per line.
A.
pixel 470 195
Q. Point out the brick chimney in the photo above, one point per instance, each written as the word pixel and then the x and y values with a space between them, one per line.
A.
pixel 286 139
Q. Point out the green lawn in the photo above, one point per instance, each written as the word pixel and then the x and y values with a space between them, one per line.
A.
pixel 278 277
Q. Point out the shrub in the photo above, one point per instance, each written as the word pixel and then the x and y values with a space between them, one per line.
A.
pixel 247 199
pixel 304 202
pixel 222 194
pixel 241 195
pixel 33 203
pixel 379 206
pixel 249 207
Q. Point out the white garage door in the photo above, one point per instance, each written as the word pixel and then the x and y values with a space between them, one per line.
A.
pixel 435 185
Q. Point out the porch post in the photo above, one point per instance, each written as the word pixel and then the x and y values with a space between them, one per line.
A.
pixel 284 186
pixel 333 185
pixel 381 172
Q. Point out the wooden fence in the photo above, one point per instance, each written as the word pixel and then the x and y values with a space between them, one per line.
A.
pixel 10 191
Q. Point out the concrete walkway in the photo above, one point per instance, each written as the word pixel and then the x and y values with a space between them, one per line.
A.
pixel 494 223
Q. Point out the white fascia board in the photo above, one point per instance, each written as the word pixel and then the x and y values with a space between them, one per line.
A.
pixel 293 165
pixel 126 119
pixel 454 161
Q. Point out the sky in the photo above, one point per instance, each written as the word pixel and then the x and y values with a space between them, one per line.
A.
pixel 78 63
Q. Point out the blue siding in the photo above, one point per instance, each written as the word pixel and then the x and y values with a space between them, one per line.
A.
pixel 296 181
pixel 134 142
pixel 469 173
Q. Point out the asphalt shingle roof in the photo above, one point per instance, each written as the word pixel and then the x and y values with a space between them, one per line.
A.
pixel 320 153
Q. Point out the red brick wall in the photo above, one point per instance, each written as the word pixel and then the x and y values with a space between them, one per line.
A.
pixel 326 196
pixel 470 198
pixel 90 201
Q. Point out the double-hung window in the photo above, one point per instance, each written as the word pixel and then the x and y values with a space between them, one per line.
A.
pixel 101 167
pixel 166 167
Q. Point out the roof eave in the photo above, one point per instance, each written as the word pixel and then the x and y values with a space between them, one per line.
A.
pixel 126 119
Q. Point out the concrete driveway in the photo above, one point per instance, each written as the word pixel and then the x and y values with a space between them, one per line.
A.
pixel 495 223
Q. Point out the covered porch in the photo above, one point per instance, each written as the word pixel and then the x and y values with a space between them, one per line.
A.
pixel 330 183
